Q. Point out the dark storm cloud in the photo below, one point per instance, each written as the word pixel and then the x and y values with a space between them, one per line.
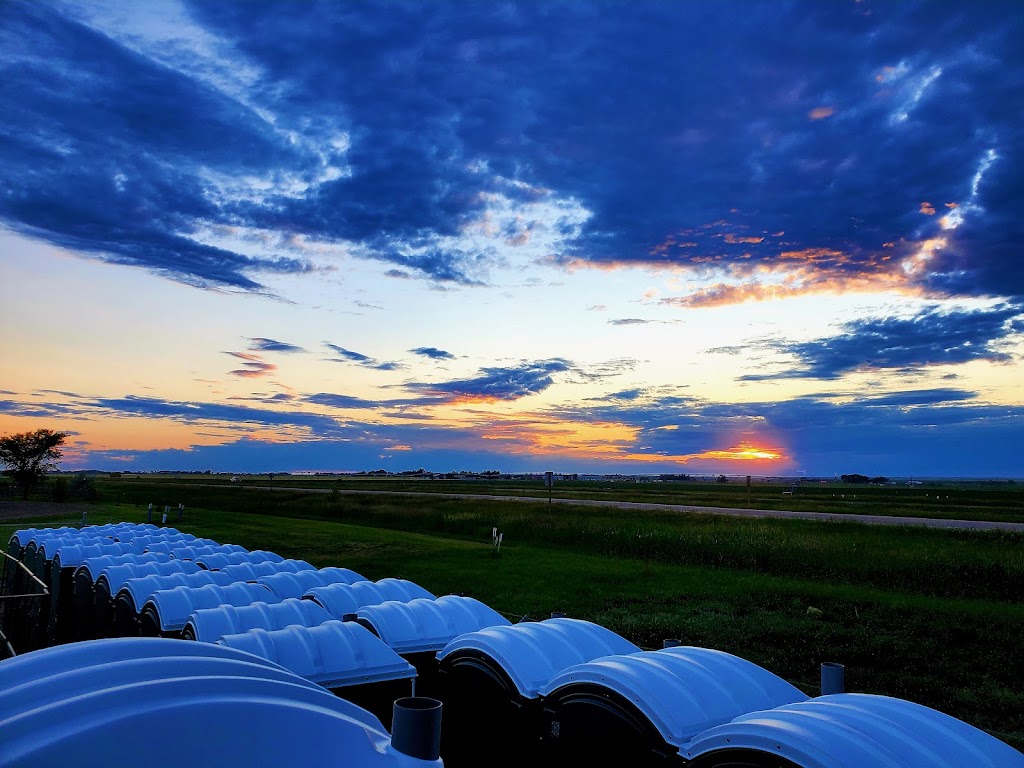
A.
pixel 433 353
pixel 348 356
pixel 498 383
pixel 102 151
pixel 259 344
pixel 933 337
pixel 729 133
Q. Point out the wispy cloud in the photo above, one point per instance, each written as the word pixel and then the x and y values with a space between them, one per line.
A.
pixel 433 353
pixel 349 356
pixel 260 344
pixel 339 401
pixel 498 383
pixel 933 337
pixel 255 366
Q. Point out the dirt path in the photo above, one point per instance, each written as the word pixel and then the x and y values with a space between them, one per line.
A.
pixel 19 510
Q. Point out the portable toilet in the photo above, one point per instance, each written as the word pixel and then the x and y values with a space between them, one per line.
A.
pixel 83 603
pixel 492 681
pixel 134 593
pixel 418 629
pixel 640 708
pixel 113 577
pixel 66 560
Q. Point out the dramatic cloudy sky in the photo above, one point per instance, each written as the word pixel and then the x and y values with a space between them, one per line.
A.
pixel 741 237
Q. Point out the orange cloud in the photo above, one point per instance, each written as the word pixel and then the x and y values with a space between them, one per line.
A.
pixel 398 448
pixel 928 208
pixel 816 255
pixel 820 113
pixel 730 238
pixel 254 366
pixel 952 205
pixel 796 282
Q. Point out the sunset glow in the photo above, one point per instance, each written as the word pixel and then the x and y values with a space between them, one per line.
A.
pixel 429 242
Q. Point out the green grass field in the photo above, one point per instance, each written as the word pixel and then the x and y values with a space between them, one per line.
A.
pixel 929 615
pixel 978 500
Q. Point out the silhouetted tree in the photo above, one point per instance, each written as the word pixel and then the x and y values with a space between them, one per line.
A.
pixel 854 478
pixel 30 455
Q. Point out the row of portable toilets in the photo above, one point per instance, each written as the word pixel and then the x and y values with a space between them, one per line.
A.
pixel 291 665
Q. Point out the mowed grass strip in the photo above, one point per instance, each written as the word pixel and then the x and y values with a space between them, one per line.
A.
pixel 958 656
pixel 966 500
pixel 941 563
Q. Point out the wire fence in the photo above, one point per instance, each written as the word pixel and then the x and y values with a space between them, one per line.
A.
pixel 24 599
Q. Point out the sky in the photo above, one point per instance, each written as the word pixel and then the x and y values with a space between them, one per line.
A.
pixel 740 237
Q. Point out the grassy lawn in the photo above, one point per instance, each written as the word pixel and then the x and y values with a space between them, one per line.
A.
pixel 939 646
pixel 961 564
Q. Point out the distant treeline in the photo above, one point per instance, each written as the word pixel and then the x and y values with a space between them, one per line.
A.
pixel 864 479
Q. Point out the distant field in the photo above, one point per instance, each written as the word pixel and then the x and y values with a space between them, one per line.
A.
pixel 933 616
pixel 980 500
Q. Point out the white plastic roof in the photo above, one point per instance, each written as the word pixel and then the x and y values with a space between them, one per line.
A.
pixel 682 691
pixel 119 702
pixel 253 571
pixel 210 624
pixel 115 576
pixel 140 589
pixel 173 606
pixel 341 599
pixel 216 560
pixel 428 625
pixel 298 583
pixel 94 566
pixel 334 654
pixel 531 653
pixel 74 555
pixel 852 730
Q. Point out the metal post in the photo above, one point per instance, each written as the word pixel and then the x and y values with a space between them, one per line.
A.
pixel 833 678
pixel 149 513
